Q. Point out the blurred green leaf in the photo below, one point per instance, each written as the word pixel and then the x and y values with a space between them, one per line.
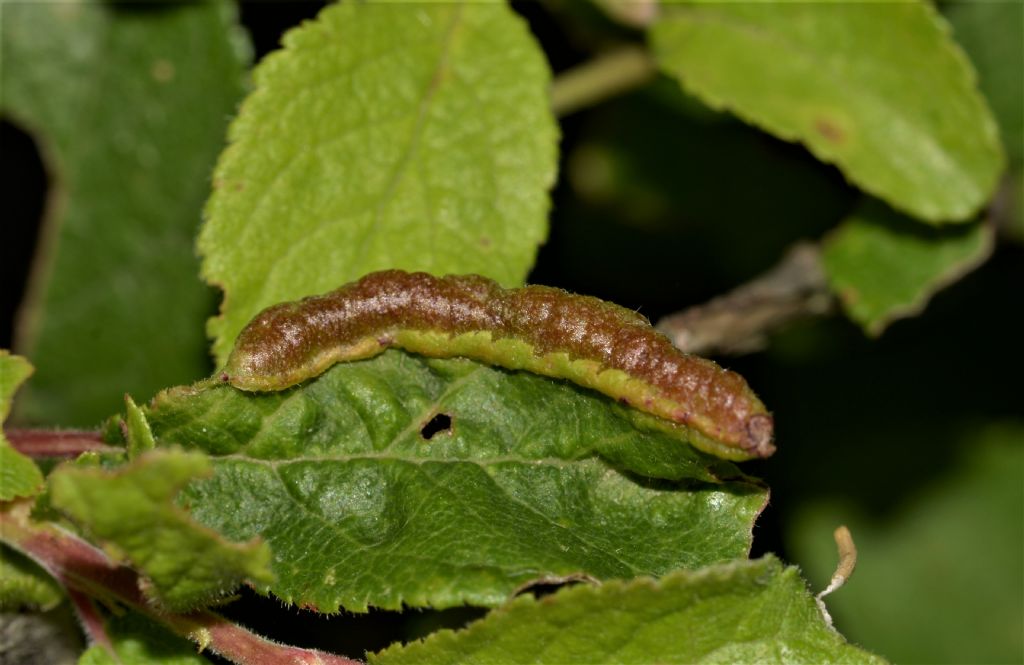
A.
pixel 879 89
pixel 13 372
pixel 382 136
pixel 531 479
pixel 939 578
pixel 137 640
pixel 23 584
pixel 128 104
pixel 140 438
pixel 647 229
pixel 130 511
pixel 739 612
pixel 19 475
pixel 883 266
pixel 1014 203
pixel 633 13
pixel 993 36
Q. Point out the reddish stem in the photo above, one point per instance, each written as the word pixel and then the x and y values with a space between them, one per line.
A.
pixel 56 443
pixel 91 620
pixel 89 573
pixel 246 648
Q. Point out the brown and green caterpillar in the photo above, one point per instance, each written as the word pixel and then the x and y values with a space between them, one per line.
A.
pixel 540 329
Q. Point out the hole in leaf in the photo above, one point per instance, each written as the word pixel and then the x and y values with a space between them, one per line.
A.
pixel 441 422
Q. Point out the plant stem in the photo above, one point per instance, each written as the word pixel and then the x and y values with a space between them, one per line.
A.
pixel 90 618
pixel 607 75
pixel 38 443
pixel 740 321
pixel 90 574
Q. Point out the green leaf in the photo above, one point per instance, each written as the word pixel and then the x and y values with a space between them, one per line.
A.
pixel 884 267
pixel 19 475
pixel 130 511
pixel 23 584
pixel 528 478
pixel 739 612
pixel 129 109
pixel 879 89
pixel 382 136
pixel 990 32
pixel 139 435
pixel 96 655
pixel 13 372
pixel 136 639
pixel 940 578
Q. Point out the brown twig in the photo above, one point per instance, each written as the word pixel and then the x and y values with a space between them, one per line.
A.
pixel 39 443
pixel 740 321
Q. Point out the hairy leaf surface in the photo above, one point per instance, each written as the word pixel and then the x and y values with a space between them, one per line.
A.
pixel 130 511
pixel 23 584
pixel 19 475
pixel 738 612
pixel 382 136
pixel 428 482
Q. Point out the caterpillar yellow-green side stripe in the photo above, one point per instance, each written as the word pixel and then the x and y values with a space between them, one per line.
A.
pixel 539 329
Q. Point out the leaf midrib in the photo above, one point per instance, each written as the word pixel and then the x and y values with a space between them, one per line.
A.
pixel 412 147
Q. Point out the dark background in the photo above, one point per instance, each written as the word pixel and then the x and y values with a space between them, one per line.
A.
pixel 686 205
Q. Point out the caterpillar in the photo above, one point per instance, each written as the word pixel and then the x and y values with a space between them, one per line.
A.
pixel 541 329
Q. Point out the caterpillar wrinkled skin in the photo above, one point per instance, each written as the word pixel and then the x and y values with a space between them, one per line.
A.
pixel 539 329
